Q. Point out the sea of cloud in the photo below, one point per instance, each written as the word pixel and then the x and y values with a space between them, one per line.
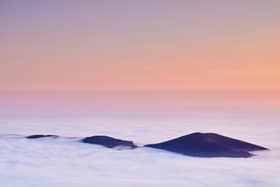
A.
pixel 65 162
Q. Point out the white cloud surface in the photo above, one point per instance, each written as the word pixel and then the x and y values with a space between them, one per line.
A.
pixel 65 162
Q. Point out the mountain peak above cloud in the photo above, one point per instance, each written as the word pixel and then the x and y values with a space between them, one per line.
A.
pixel 196 144
pixel 208 145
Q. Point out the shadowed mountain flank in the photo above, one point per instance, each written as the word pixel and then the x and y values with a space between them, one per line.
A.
pixel 208 145
pixel 195 144
pixel 37 136
pixel 109 142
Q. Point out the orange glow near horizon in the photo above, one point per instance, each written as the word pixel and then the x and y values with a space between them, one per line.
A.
pixel 218 47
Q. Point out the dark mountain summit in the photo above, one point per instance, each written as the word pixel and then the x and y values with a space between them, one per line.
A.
pixel 208 145
pixel 109 142
pixel 37 136
pixel 195 144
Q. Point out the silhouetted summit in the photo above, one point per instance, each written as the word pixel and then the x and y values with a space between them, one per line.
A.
pixel 208 145
pixel 109 142
pixel 37 136
pixel 195 144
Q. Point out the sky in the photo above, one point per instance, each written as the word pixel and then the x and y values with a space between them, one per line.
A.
pixel 85 46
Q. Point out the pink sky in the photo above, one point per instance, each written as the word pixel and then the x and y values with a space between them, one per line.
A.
pixel 140 45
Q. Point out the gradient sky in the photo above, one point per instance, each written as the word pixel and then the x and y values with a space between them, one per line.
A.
pixel 139 45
